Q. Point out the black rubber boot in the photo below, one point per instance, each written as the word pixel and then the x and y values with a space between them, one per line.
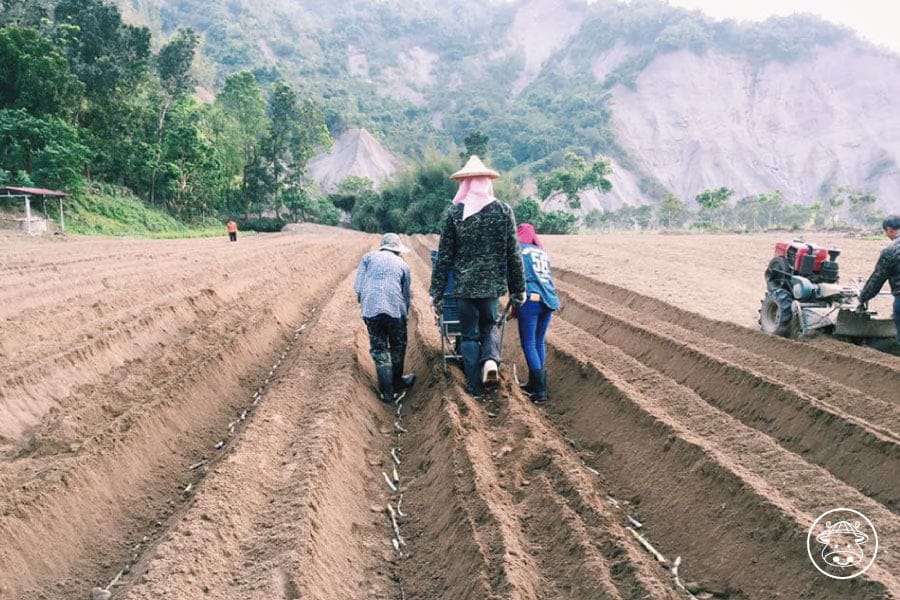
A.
pixel 539 393
pixel 401 382
pixel 528 387
pixel 385 382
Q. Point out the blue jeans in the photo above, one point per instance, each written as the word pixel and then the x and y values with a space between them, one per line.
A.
pixel 534 319
pixel 480 336
pixel 897 316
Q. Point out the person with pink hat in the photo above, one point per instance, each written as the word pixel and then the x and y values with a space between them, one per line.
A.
pixel 534 315
pixel 479 245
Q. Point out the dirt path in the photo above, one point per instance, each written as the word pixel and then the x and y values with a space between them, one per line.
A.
pixel 197 419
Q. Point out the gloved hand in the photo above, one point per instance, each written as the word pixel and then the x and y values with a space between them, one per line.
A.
pixel 862 307
pixel 437 307
pixel 518 299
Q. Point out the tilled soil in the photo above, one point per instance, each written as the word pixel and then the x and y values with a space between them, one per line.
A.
pixel 197 419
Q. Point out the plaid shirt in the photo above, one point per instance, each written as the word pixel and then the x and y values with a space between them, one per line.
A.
pixel 382 285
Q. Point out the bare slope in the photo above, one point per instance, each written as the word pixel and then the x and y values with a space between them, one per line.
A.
pixel 355 153
pixel 698 121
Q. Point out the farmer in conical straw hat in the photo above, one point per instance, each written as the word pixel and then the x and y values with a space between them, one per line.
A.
pixel 479 245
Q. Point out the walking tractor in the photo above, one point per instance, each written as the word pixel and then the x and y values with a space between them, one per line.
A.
pixel 449 323
pixel 804 296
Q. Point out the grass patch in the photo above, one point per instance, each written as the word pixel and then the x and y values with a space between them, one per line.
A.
pixel 117 213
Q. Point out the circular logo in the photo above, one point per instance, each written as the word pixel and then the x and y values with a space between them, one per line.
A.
pixel 842 543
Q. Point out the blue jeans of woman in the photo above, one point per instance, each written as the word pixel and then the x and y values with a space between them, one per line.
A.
pixel 479 320
pixel 534 319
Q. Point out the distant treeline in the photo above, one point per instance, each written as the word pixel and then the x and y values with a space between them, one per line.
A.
pixel 845 208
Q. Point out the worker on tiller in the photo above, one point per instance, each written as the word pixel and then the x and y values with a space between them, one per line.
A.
pixel 382 286
pixel 478 243
pixel 886 269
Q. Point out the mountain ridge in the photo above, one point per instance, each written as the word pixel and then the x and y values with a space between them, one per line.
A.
pixel 542 78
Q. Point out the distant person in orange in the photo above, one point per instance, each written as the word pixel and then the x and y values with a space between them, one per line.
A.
pixel 231 226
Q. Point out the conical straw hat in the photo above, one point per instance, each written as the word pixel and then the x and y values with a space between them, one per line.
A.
pixel 475 168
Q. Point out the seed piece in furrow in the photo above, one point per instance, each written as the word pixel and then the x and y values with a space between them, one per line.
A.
pixel 772 399
pixel 287 515
pixel 701 481
pixel 872 373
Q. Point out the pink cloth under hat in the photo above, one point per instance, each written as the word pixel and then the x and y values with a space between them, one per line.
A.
pixel 527 235
pixel 474 194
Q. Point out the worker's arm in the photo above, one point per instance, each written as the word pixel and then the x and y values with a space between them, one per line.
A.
pixel 406 285
pixel 877 278
pixel 360 278
pixel 515 271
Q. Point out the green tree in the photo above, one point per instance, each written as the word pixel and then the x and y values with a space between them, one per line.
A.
pixel 350 191
pixel 296 131
pixel 35 75
pixel 772 208
pixel 672 212
pixel 528 211
pixel 863 209
pixel 45 150
pixel 578 176
pixel 557 222
pixel 477 144
pixel 714 203
pixel 816 213
pixel 107 55
pixel 174 63
pixel 193 179
pixel 244 124
pixel 835 202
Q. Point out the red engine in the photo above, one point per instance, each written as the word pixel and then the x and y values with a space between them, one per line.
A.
pixel 795 251
pixel 799 258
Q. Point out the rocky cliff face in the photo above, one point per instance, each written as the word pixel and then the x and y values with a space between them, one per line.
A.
pixel 698 121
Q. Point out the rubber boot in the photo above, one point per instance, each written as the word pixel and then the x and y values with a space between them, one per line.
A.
pixel 402 382
pixel 471 355
pixel 539 393
pixel 385 382
pixel 528 387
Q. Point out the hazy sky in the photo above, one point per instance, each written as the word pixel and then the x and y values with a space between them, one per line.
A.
pixel 876 20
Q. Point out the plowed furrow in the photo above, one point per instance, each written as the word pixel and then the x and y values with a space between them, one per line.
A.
pixel 806 415
pixel 872 373
pixel 288 514
pixel 129 465
pixel 38 381
pixel 700 480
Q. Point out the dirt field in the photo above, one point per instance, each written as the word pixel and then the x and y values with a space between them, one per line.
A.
pixel 196 419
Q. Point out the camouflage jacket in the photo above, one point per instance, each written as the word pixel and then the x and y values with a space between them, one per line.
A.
pixel 886 269
pixel 482 252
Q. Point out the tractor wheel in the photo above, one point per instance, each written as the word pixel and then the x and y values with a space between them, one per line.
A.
pixel 778 274
pixel 776 314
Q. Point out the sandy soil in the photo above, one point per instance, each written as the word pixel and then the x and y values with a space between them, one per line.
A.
pixel 196 419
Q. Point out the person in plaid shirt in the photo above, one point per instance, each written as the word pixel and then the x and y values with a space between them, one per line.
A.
pixel 382 287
